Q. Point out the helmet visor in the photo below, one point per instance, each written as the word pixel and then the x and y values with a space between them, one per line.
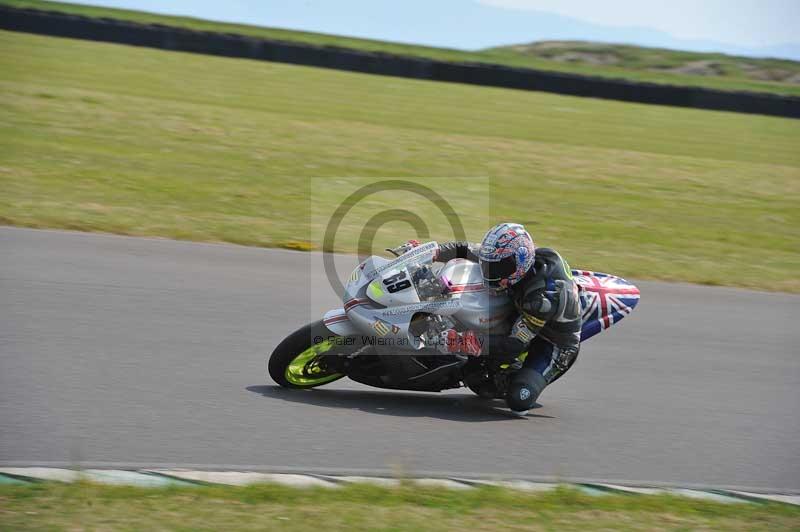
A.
pixel 495 271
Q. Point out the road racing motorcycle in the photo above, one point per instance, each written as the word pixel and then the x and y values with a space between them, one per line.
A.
pixel 393 315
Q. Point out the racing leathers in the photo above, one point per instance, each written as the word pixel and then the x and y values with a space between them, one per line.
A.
pixel 549 323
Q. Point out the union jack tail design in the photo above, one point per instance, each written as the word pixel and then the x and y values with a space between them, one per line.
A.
pixel 605 299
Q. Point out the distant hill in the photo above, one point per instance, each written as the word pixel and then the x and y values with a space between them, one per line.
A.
pixel 715 71
pixel 658 60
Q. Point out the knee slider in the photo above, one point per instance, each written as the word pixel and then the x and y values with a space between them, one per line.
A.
pixel 524 389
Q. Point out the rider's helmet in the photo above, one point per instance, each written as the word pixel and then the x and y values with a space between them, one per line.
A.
pixel 506 255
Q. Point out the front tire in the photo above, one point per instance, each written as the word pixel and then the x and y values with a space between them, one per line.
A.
pixel 297 361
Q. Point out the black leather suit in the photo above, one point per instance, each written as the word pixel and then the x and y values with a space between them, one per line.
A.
pixel 549 323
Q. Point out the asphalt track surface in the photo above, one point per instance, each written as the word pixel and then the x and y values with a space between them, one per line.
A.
pixel 145 352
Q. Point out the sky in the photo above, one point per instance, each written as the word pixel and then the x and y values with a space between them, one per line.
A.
pixel 745 22
pixel 747 27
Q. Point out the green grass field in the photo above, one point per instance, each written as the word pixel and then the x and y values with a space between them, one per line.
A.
pixel 265 507
pixel 102 137
pixel 641 64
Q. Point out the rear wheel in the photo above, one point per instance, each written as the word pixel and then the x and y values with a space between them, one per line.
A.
pixel 299 360
pixel 485 390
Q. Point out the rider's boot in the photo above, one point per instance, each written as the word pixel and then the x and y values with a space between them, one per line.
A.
pixel 524 389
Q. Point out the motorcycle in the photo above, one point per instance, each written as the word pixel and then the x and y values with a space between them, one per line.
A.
pixel 394 312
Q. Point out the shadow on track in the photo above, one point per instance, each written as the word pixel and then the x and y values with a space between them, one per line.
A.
pixel 448 407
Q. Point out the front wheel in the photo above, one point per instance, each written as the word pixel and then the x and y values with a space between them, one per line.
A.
pixel 298 361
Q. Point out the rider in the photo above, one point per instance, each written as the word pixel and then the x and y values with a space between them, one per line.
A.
pixel 541 286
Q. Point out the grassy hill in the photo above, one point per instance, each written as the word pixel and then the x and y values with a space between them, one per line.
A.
pixel 660 60
pixel 104 137
pixel 719 71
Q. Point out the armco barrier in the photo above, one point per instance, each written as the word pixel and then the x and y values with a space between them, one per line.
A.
pixel 233 45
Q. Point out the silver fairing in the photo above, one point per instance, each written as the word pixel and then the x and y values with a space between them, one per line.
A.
pixel 376 314
pixel 382 296
pixel 481 309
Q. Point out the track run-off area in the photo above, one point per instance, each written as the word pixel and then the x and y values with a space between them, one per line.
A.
pixel 135 352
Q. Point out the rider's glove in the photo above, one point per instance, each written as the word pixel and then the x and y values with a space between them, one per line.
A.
pixel 467 343
pixel 404 248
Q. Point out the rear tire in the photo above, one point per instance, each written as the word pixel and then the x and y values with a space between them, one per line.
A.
pixel 295 362
pixel 483 390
